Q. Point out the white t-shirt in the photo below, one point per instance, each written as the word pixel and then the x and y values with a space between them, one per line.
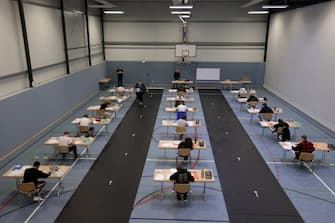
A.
pixel 85 121
pixel 64 141
pixel 181 123
pixel 242 90
pixel 181 108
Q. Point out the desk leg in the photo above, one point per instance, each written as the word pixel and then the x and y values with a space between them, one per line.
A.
pixel 241 107
pixel 263 130
pixel 164 153
pixel 251 116
pixel 295 133
pixel 162 191
pixel 204 192
pixel 106 129
pixel 323 157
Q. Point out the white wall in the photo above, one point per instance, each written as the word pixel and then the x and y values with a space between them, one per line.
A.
pixel 155 41
pixel 46 43
pixel 301 60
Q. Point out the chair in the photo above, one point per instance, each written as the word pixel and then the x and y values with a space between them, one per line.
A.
pixel 182 188
pixel 28 189
pixel 182 152
pixel 100 113
pixel 180 93
pixel 267 116
pixel 279 132
pixel 84 129
pixel 62 150
pixel 306 157
pixel 180 130
pixel 252 104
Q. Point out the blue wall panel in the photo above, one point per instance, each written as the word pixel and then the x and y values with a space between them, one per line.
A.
pixel 24 114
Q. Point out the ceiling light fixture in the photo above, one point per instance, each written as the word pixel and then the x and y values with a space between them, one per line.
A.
pixel 258 12
pixel 182 20
pixel 181 12
pixel 274 6
pixel 181 6
pixel 113 12
pixel 185 16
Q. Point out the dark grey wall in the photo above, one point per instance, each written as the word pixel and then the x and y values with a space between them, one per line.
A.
pixel 26 113
pixel 157 73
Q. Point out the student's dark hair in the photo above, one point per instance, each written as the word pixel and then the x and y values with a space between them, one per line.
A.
pixel 86 116
pixel 280 120
pixel 189 142
pixel 37 163
pixel 66 133
pixel 304 137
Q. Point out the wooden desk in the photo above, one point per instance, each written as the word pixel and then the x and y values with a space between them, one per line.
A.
pixel 269 124
pixel 163 175
pixel 173 123
pixel 230 83
pixel 244 101
pixel 188 91
pixel 173 144
pixel 174 109
pixel 319 146
pixel 184 99
pixel 17 172
pixel 182 82
pixel 126 90
pixel 253 111
pixel 109 99
pixel 104 83
pixel 236 93
pixel 113 108
pixel 78 141
pixel 104 121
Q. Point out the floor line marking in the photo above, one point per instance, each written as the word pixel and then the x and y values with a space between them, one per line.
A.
pixel 319 178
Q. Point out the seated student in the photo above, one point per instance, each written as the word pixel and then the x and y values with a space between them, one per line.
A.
pixel 181 111
pixel 242 92
pixel 285 135
pixel 303 146
pixel 182 176
pixel 181 90
pixel 66 140
pixel 32 175
pixel 187 143
pixel 85 121
pixel 181 123
pixel 252 98
pixel 103 107
pixel 264 109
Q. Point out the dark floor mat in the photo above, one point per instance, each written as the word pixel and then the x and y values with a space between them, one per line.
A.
pixel 251 191
pixel 108 191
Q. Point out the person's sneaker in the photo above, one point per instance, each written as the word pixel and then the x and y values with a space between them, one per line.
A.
pixel 38 198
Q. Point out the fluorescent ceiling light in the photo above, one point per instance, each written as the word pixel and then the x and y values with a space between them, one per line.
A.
pixel 113 12
pixel 274 6
pixel 181 12
pixel 258 12
pixel 182 20
pixel 185 16
pixel 181 6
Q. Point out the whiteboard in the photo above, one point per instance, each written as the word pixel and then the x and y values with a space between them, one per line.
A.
pixel 208 74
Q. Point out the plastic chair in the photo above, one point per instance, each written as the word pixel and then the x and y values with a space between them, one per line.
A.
pixel 62 150
pixel 252 104
pixel 183 188
pixel 267 116
pixel 28 189
pixel 306 157
pixel 180 130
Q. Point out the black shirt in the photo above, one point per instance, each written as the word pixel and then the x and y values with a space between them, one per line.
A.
pixel 182 177
pixel 266 109
pixel 119 72
pixel 32 175
pixel 185 145
pixel 176 75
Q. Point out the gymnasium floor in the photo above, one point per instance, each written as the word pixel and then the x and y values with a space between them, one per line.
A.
pixel 311 191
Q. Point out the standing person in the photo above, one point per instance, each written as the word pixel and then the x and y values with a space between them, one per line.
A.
pixel 140 89
pixel 66 140
pixel 303 146
pixel 187 143
pixel 32 175
pixel 119 73
pixel 176 75
pixel 182 176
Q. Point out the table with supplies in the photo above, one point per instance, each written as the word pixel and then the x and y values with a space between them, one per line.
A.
pixel 269 124
pixel 78 141
pixel 174 109
pixel 200 176
pixel 109 99
pixel 114 108
pixel 244 101
pixel 95 121
pixel 58 172
pixel 319 146
pixel 173 123
pixel 173 144
pixel 255 111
